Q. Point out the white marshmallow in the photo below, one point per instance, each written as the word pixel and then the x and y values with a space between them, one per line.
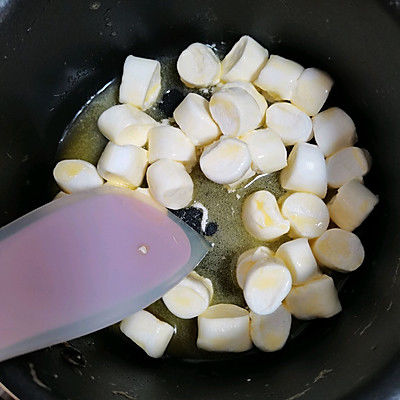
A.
pixel 76 175
pixel 290 123
pixel 268 153
pixel 299 259
pixel 235 111
pixel 266 285
pixel 252 91
pixel 345 165
pixel 226 160
pixel 148 332
pixel 307 213
pixel 306 170
pixel 312 90
pixel 224 327
pixel 270 332
pixel 244 61
pixel 125 124
pixel 261 216
pixel 234 185
pixel 339 250
pixel 351 205
pixel 333 130
pixel 198 66
pixel 123 165
pixel 247 260
pixel 141 82
pixel 279 77
pixel 317 298
pixel 190 297
pixel 170 184
pixel 194 118
pixel 169 142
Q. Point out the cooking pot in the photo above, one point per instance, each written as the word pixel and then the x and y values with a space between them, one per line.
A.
pixel 55 54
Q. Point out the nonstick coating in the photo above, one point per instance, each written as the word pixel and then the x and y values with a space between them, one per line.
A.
pixel 55 54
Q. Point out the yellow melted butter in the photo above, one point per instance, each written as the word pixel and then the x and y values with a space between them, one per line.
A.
pixel 83 140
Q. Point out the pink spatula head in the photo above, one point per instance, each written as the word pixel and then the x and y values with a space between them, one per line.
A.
pixel 86 261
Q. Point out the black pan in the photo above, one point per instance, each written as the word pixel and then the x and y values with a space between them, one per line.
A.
pixel 55 54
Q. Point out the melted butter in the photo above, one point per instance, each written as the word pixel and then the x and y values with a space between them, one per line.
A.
pixel 83 140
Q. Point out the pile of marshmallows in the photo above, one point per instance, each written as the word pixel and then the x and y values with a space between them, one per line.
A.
pixel 224 132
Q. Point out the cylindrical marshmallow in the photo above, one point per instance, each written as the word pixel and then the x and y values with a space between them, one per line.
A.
pixel 170 184
pixel 261 216
pixel 290 123
pixel 194 118
pixel 351 205
pixel 245 61
pixel 266 285
pixel 307 213
pixel 76 175
pixel 299 259
pixel 339 250
pixel 270 332
pixel 317 298
pixel 125 124
pixel 224 327
pixel 268 153
pixel 333 130
pixel 169 142
pixel 279 77
pixel 226 160
pixel 141 82
pixel 345 165
pixel 306 170
pixel 198 66
pixel 312 90
pixel 123 165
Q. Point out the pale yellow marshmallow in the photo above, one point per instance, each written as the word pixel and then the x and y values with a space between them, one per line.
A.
pixel 317 298
pixel 307 213
pixel 169 142
pixel 312 90
pixel 235 111
pixel 190 297
pixel 267 283
pixel 252 91
pixel 198 66
pixel 299 259
pixel 170 184
pixel 279 77
pixel 333 130
pixel 270 332
pixel 345 165
pixel 76 175
pixel 141 82
pixel 261 216
pixel 247 260
pixel 224 327
pixel 268 153
pixel 225 161
pixel 339 250
pixel 234 185
pixel 306 170
pixel 244 61
pixel 194 118
pixel 123 165
pixel 351 205
pixel 148 332
pixel 290 123
pixel 125 124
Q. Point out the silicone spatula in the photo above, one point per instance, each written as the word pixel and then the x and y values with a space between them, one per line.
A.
pixel 86 261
